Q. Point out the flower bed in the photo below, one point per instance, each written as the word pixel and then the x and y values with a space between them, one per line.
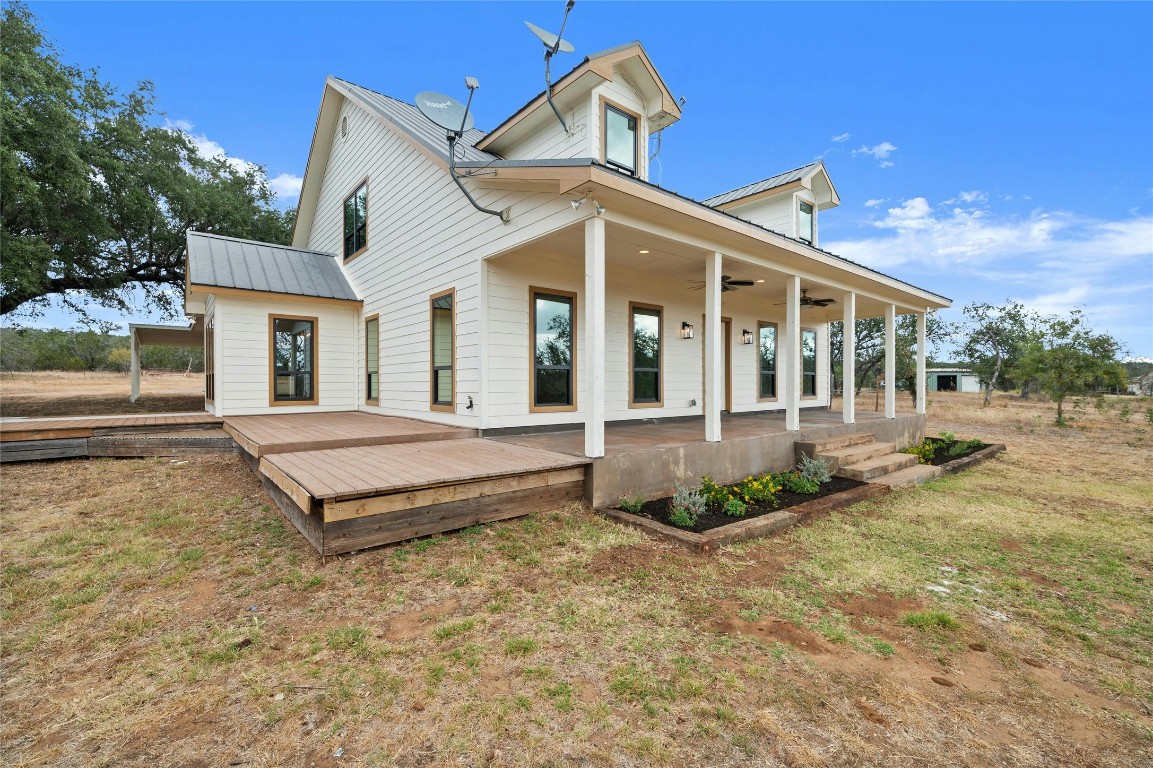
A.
pixel 939 451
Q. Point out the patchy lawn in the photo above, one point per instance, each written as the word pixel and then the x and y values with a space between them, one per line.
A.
pixel 160 613
pixel 57 393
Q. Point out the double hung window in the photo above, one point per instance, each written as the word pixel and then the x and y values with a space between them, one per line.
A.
pixel 553 329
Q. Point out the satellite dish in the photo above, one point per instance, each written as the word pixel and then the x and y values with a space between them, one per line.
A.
pixel 549 39
pixel 445 111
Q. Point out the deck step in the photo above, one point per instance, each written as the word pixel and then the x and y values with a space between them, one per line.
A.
pixel 827 444
pixel 914 475
pixel 877 466
pixel 855 454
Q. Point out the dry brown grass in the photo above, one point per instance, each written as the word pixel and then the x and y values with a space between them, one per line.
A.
pixel 59 393
pixel 160 613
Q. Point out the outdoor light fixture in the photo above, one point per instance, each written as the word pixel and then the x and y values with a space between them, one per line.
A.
pixel 600 208
pixel 577 203
pixel 643 250
pixel 747 336
pixel 686 330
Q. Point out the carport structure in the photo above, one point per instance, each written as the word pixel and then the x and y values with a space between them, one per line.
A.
pixel 142 334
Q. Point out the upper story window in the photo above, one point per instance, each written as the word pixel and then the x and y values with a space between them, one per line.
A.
pixel 805 223
pixel 356 221
pixel 620 139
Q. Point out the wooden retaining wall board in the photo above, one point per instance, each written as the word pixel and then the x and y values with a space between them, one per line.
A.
pixel 36 450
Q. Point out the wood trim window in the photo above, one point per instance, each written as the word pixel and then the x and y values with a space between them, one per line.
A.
pixel 356 221
pixel 808 363
pixel 552 353
pixel 210 359
pixel 372 360
pixel 805 222
pixel 766 361
pixel 620 129
pixel 442 351
pixel 646 353
pixel 292 360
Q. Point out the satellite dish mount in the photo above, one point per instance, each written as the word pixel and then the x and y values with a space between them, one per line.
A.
pixel 455 119
pixel 552 45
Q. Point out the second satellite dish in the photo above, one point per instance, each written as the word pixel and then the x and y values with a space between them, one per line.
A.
pixel 549 39
pixel 445 111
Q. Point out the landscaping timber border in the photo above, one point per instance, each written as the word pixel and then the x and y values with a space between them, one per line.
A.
pixel 973 459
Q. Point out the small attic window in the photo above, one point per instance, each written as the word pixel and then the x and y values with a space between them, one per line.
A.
pixel 620 139
pixel 805 223
pixel 343 126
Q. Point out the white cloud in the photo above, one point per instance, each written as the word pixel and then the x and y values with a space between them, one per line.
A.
pixel 286 185
pixel 840 138
pixel 874 202
pixel 880 152
pixel 974 196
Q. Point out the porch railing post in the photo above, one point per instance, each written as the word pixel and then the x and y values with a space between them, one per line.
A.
pixel 849 360
pixel 594 352
pixel 714 382
pixel 921 322
pixel 792 353
pixel 890 361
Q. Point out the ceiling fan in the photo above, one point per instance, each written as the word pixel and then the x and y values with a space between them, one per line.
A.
pixel 727 284
pixel 806 301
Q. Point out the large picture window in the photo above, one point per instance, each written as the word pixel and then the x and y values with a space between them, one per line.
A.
pixel 808 363
pixel 372 360
pixel 766 361
pixel 443 346
pixel 554 332
pixel 293 360
pixel 620 139
pixel 645 346
pixel 356 221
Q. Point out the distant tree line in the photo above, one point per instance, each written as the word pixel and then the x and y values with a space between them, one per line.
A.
pixel 31 349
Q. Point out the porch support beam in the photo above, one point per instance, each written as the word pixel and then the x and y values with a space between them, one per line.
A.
pixel 792 353
pixel 594 345
pixel 714 371
pixel 890 361
pixel 921 323
pixel 849 360
pixel 135 347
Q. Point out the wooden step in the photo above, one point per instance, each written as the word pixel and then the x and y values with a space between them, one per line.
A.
pixel 827 444
pixel 877 466
pixel 855 454
pixel 914 475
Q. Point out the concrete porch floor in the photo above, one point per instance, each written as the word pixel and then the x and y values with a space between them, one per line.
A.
pixel 651 459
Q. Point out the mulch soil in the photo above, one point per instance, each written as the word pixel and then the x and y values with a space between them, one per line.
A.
pixel 714 517
pixel 940 457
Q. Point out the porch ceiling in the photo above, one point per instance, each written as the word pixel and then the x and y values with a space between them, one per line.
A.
pixel 685 262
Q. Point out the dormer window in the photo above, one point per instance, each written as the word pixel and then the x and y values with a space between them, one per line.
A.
pixel 805 223
pixel 620 139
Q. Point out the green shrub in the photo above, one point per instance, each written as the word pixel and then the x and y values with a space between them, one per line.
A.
pixel 713 493
pixel 929 620
pixel 735 508
pixel 815 469
pixel 1149 415
pixel 761 489
pixel 923 451
pixel 631 503
pixel 1125 413
pixel 962 446
pixel 795 482
pixel 686 505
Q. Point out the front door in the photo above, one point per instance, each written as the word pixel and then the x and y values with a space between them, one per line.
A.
pixel 727 343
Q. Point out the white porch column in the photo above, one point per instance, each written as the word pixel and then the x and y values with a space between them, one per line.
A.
pixel 890 361
pixel 792 353
pixel 134 345
pixel 921 321
pixel 594 346
pixel 849 360
pixel 714 365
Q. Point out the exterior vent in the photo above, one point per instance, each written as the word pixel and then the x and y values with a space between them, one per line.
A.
pixel 343 127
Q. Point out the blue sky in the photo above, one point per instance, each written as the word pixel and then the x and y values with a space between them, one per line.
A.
pixel 983 151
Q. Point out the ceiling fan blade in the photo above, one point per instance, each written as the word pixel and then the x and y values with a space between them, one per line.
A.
pixel 726 278
pixel 725 288
pixel 742 282
pixel 823 302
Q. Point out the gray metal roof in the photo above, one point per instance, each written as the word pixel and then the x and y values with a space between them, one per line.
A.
pixel 409 119
pixel 226 262
pixel 756 187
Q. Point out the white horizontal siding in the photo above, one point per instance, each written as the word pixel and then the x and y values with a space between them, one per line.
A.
pixel 775 213
pixel 242 331
pixel 549 141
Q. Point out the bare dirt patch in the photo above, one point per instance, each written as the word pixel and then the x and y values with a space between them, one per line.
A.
pixel 59 393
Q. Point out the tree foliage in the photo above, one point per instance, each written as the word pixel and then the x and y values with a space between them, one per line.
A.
pixel 1069 358
pixel 993 340
pixel 869 348
pixel 32 349
pixel 98 195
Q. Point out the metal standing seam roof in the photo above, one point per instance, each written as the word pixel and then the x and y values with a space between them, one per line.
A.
pixel 409 119
pixel 763 185
pixel 227 262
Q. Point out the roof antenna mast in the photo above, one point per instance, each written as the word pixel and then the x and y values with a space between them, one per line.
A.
pixel 456 120
pixel 552 45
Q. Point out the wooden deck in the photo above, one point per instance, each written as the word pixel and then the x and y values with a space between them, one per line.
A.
pixel 97 426
pixel 166 434
pixel 293 432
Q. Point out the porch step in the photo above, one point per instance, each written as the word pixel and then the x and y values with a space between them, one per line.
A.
pixel 825 445
pixel 877 466
pixel 914 475
pixel 855 454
